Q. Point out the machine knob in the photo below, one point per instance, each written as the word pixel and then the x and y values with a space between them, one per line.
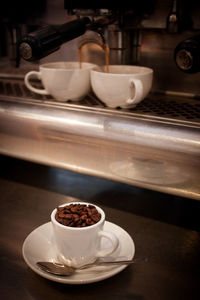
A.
pixel 187 55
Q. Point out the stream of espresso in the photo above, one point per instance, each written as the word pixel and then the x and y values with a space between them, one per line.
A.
pixel 106 51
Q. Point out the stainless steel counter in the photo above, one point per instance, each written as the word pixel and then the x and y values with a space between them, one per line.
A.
pixel 164 227
pixel 138 147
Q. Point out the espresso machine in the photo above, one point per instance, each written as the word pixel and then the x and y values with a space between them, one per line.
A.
pixel 155 145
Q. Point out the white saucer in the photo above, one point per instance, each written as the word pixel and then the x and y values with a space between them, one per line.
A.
pixel 38 247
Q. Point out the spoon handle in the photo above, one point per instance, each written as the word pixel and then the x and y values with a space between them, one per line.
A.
pixel 117 262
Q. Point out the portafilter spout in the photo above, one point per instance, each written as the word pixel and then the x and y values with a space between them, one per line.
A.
pixel 48 39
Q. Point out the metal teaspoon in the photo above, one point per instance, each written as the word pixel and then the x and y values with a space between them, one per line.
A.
pixel 64 270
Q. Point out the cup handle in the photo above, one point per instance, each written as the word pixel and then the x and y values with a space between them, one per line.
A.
pixel 137 85
pixel 30 87
pixel 114 241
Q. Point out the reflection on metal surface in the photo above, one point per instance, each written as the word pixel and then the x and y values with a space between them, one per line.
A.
pixel 151 146
pixel 150 171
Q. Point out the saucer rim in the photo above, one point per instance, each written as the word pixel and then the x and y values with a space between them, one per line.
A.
pixel 73 281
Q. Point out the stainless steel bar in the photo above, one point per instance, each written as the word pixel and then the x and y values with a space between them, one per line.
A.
pixel 141 151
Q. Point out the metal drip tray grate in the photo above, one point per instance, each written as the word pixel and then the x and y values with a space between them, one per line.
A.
pixel 156 105
pixel 168 108
pixel 15 87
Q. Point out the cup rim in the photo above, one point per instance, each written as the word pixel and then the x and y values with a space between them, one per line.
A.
pixel 100 210
pixel 97 69
pixel 86 65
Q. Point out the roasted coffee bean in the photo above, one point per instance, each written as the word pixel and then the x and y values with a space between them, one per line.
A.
pixel 74 209
pixel 60 208
pixel 83 217
pixel 69 216
pixel 82 212
pixel 88 221
pixel 96 218
pixel 65 222
pixel 77 215
pixel 61 215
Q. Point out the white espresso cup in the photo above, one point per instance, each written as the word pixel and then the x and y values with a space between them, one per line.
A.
pixel 76 246
pixel 62 80
pixel 123 86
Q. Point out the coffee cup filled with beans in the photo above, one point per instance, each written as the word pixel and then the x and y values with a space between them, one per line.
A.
pixel 78 228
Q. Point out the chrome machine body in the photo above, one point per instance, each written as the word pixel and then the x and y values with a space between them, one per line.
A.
pixel 155 145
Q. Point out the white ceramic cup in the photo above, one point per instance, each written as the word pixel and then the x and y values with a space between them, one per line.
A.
pixel 62 80
pixel 124 85
pixel 77 246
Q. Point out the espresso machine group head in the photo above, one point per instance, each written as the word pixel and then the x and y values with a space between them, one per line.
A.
pixel 48 39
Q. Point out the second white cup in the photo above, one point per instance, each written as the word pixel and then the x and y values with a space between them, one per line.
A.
pixel 62 80
pixel 123 86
